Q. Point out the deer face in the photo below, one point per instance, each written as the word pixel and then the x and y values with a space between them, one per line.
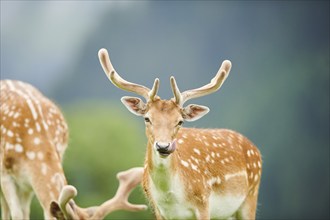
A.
pixel 163 119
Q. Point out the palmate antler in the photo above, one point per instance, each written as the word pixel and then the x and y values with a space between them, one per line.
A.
pixel 67 209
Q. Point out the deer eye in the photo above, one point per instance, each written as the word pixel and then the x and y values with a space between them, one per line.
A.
pixel 147 120
pixel 180 123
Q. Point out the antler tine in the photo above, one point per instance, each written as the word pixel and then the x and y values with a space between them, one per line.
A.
pixel 176 91
pixel 114 77
pixel 153 92
pixel 213 86
pixel 128 180
pixel 68 192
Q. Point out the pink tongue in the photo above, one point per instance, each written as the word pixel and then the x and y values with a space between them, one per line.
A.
pixel 173 146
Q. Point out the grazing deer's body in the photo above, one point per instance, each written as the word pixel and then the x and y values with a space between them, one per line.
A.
pixel 34 136
pixel 192 173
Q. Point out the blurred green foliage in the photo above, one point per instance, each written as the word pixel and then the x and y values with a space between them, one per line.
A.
pixel 102 143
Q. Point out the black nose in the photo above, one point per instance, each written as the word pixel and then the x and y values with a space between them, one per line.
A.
pixel 162 147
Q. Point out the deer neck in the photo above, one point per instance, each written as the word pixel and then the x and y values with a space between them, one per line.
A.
pixel 160 170
pixel 48 187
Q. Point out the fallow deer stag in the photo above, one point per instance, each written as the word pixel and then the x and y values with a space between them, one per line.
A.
pixel 192 173
pixel 34 136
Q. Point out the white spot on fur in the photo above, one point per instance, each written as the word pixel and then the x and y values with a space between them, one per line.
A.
pixel 218 180
pixel 44 168
pixel 30 131
pixel 194 159
pixel 10 133
pixel 256 178
pixel 31 155
pixel 207 158
pixel 180 141
pixel 18 148
pixel 36 141
pixel 40 155
pixel 10 114
pixel 45 125
pixel 184 163
pixel 38 127
pixel 194 167
pixel 16 115
pixel 197 151
pixel 32 109
pixel 259 164
pixel 9 146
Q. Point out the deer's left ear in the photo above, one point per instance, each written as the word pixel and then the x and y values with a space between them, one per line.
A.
pixel 194 112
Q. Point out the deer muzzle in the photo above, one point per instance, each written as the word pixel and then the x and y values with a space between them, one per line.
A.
pixel 165 148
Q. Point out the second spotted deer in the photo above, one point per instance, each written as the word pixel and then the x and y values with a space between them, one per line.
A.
pixel 192 173
pixel 34 137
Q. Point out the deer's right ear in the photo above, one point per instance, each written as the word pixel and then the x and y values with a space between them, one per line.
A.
pixel 134 105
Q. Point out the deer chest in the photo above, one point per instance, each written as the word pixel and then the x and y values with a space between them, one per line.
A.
pixel 170 201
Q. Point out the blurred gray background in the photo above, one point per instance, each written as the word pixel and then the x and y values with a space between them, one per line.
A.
pixel 277 93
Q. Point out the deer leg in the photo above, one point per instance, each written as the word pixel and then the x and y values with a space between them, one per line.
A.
pixel 249 206
pixel 203 212
pixel 9 191
pixel 157 214
pixel 5 212
pixel 26 198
